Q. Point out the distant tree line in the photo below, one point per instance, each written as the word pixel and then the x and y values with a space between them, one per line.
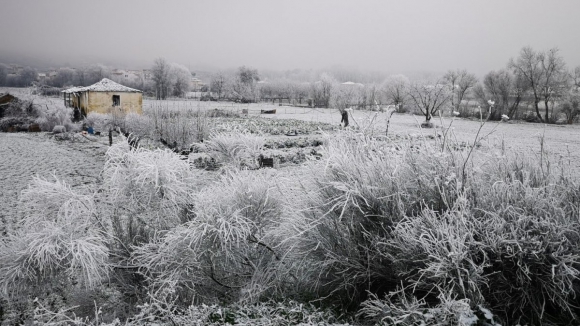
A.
pixel 535 86
pixel 23 79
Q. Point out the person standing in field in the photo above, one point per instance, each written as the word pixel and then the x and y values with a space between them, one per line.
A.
pixel 344 120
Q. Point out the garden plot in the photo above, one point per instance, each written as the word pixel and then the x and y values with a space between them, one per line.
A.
pixel 562 141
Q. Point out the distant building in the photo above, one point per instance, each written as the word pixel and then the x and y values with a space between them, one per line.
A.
pixel 105 97
pixel 349 83
pixel 147 74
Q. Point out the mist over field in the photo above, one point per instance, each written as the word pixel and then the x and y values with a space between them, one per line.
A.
pixel 389 36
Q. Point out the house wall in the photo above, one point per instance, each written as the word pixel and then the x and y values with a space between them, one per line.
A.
pixel 80 102
pixel 102 102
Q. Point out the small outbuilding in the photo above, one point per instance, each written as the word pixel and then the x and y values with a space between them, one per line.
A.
pixel 104 97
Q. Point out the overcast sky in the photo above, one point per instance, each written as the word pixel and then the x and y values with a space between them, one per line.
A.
pixel 392 36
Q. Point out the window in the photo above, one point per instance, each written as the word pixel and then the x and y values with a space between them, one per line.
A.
pixel 116 100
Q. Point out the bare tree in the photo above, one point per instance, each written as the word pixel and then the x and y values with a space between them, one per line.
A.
pixel 452 77
pixel 160 73
pixel 396 90
pixel 555 78
pixel 498 85
pixel 429 98
pixel 543 72
pixel 461 82
pixel 520 86
pixel 345 96
pixel 218 85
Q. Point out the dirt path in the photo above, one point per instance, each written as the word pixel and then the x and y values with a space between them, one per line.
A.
pixel 25 155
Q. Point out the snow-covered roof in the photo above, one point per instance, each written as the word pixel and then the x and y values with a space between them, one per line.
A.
pixel 351 83
pixel 105 85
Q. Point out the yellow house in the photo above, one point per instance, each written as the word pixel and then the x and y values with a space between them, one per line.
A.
pixel 104 97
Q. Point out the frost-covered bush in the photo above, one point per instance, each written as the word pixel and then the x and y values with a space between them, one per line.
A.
pixel 375 216
pixel 353 199
pixel 139 124
pixel 261 314
pixel 98 121
pixel 226 250
pixel 151 187
pixel 60 236
pixel 397 309
pixel 235 149
pixel 53 116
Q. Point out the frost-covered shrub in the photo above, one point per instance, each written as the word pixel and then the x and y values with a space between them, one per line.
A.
pixel 60 236
pixel 261 314
pixel 20 108
pixel 151 187
pixel 398 309
pixel 54 116
pixel 225 251
pixel 353 199
pixel 139 124
pixel 98 121
pixel 374 216
pixel 235 149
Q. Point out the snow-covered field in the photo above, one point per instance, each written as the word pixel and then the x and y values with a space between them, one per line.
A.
pixel 25 155
pixel 562 141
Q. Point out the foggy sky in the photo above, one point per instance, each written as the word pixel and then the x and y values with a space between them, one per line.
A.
pixel 392 36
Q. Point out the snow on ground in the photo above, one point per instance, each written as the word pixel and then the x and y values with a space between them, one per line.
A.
pixel 25 155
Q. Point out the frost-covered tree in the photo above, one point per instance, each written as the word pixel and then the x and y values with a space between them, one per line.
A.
pixel 498 84
pixel 244 87
pixel 321 90
pixel 396 88
pixel 218 85
pixel 160 72
pixel 64 77
pixel 461 82
pixel 545 72
pixel 180 78
pixel 27 76
pixel 575 75
pixel 429 97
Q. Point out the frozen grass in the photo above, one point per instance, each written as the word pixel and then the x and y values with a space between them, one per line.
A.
pixel 150 186
pixel 236 150
pixel 419 230
pixel 385 216
pixel 223 248
pixel 60 235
